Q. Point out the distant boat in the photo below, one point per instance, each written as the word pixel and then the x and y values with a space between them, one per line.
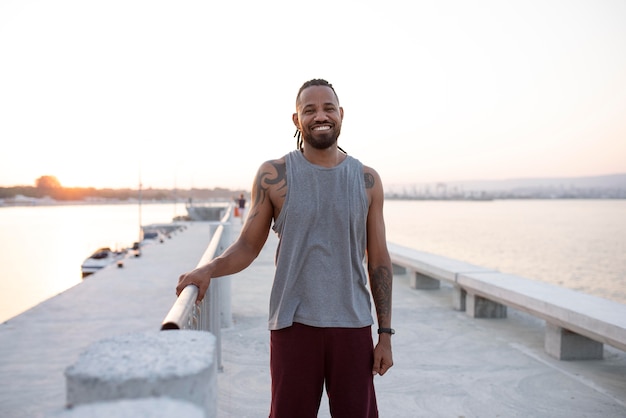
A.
pixel 158 233
pixel 100 259
pixel 152 236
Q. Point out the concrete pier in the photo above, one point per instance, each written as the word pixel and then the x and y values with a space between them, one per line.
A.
pixel 446 363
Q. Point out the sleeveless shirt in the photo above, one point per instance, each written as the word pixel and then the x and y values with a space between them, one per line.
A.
pixel 320 277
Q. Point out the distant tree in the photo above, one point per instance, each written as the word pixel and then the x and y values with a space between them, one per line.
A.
pixel 48 183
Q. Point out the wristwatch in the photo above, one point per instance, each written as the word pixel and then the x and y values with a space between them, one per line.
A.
pixel 386 331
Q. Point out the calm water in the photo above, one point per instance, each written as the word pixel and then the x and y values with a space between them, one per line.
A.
pixel 43 247
pixel 579 244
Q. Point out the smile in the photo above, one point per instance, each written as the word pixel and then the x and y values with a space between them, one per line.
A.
pixel 321 128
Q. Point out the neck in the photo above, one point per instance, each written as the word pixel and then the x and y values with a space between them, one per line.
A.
pixel 328 157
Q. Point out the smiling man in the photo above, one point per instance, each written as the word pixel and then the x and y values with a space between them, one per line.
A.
pixel 327 209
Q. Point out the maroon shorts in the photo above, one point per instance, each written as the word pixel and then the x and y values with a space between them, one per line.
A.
pixel 304 358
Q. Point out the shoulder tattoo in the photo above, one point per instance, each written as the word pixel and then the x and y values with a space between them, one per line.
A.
pixel 266 179
pixel 369 180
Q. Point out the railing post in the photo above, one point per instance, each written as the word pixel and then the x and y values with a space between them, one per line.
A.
pixel 225 283
pixel 213 318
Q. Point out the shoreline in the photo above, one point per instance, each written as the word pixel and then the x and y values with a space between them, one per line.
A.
pixel 46 202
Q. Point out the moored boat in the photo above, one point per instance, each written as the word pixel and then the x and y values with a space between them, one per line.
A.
pixel 99 259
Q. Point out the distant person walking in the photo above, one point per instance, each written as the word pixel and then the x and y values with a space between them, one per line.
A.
pixel 241 202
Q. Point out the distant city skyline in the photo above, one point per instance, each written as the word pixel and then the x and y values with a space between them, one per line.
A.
pixel 595 187
pixel 199 94
pixel 597 184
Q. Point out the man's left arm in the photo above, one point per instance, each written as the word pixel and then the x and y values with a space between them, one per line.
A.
pixel 380 270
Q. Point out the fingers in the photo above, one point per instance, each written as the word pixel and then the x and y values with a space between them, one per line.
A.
pixel 383 361
pixel 381 369
pixel 201 292
pixel 190 279
pixel 182 283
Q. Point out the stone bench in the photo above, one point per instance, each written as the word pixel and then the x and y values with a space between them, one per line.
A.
pixel 577 324
pixel 426 271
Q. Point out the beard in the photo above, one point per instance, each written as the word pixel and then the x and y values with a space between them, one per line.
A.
pixel 321 141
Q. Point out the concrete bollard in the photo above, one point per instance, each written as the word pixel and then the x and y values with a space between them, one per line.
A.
pixel 134 408
pixel 176 364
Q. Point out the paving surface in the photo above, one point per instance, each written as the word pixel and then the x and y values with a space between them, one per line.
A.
pixel 446 364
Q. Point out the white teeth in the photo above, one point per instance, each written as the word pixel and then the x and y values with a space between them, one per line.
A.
pixel 321 128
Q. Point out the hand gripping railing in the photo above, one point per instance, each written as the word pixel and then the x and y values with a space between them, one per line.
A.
pixel 206 315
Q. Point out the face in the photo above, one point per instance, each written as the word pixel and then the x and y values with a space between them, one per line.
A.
pixel 318 116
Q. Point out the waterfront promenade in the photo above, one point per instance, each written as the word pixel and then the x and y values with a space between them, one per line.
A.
pixel 446 363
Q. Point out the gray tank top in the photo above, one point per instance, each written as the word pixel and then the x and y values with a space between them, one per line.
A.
pixel 320 275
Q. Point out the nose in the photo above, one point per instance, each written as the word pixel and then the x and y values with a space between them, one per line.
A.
pixel 320 116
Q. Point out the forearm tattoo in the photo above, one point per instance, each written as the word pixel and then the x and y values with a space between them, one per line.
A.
pixel 381 281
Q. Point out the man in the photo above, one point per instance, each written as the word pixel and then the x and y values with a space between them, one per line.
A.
pixel 327 209
pixel 241 204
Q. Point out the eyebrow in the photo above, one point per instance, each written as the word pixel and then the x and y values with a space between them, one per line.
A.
pixel 323 105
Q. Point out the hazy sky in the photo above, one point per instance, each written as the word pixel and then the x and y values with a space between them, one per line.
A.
pixel 200 93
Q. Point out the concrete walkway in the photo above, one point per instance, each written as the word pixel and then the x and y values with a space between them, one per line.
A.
pixel 38 345
pixel 446 364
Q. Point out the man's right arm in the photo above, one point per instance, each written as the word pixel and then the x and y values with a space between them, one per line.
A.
pixel 246 248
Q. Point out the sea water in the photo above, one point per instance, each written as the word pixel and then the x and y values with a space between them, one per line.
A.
pixel 580 244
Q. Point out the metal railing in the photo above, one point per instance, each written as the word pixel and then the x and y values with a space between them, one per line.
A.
pixel 206 315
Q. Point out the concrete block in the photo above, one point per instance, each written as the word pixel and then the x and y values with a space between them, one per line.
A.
pixel 398 269
pixel 176 364
pixel 135 408
pixel 563 344
pixel 419 281
pixel 458 298
pixel 479 307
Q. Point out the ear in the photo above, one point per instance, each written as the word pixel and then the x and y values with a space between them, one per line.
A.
pixel 341 112
pixel 295 120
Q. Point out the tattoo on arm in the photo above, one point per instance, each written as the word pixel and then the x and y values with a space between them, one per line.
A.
pixel 264 180
pixel 381 282
pixel 369 180
pixel 281 175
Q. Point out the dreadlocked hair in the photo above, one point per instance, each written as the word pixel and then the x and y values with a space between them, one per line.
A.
pixel 314 82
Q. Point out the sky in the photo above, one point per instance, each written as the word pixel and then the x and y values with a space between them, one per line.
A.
pixel 197 94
